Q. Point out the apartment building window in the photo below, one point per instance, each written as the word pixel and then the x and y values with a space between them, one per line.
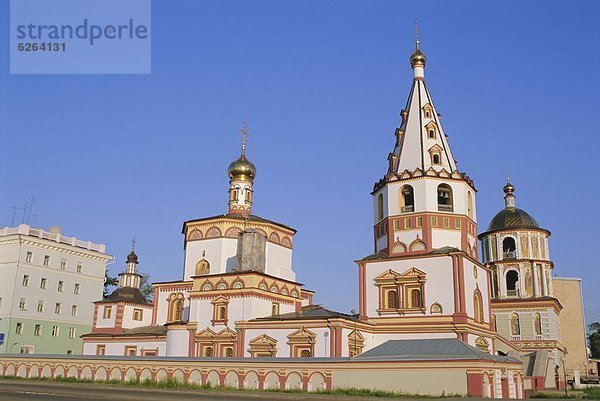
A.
pixel 76 289
pixel 100 349
pixel 58 308
pixel 55 331
pixel 46 260
pixel 40 307
pixel 63 264
pixel 74 310
pixel 106 313
pixel 25 280
pixel 72 332
pixel 138 314
pixel 27 349
pixel 61 286
pixel 37 330
pixel 23 304
pixel 19 328
pixel 79 267
pixel 69 352
pixel 43 283
pixel 28 257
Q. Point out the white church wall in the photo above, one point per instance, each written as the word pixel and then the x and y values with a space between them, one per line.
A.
pixel 438 287
pixel 481 282
pixel 219 252
pixel 129 322
pixel 279 262
pixel 178 341
pixel 118 348
pixel 441 238
pixel 101 322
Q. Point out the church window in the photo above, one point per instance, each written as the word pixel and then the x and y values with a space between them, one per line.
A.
pixel 509 248
pixel 415 298
pixel 494 325
pixel 175 307
pixel 537 324
pixel 300 341
pixel 130 351
pixel 446 221
pixel 222 313
pixel 100 349
pixel 249 195
pixel 436 308
pixel 431 133
pixel 263 346
pixel 396 224
pixel 392 299
pixel 444 198
pixel 220 310
pixel 478 306
pixel 379 207
pixel 407 199
pixel 356 343
pixel 229 352
pixel 470 204
pixel 457 224
pixel 138 314
pixel 107 312
pixel 275 309
pixel 419 222
pixel 436 158
pixel 234 195
pixel 406 223
pixel 208 352
pixel 515 326
pixel 434 221
pixel 512 279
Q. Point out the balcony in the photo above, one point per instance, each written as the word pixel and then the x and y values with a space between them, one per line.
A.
pixel 445 208
pixel 407 209
pixel 509 255
pixel 538 337
pixel 515 337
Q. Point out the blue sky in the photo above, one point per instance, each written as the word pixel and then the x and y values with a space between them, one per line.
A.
pixel 108 157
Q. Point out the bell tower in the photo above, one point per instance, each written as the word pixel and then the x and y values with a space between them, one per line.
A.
pixel 241 177
pixel 423 202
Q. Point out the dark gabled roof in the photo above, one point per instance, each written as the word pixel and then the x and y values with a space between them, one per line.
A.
pixel 309 312
pixel 429 349
pixel 150 331
pixel 240 217
pixel 382 256
pixel 126 294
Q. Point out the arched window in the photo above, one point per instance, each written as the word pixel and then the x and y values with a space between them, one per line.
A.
pixel 537 324
pixel 208 351
pixel 229 352
pixel 392 299
pixel 222 312
pixel 305 353
pixel 415 298
pixel 470 204
pixel 444 198
pixel 379 207
pixel 436 158
pixel 515 325
pixel 407 198
pixel 509 248
pixel 494 323
pixel 512 278
pixel 478 306
pixel 175 307
pixel 234 194
pixel 431 133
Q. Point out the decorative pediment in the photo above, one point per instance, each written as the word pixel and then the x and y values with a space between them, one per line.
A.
pixel 431 125
pixel 220 300
pixel 431 172
pixel 387 274
pixel 226 333
pixel 435 149
pixel 414 272
pixel 206 333
pixel 302 335
pixel 263 339
pixel 417 245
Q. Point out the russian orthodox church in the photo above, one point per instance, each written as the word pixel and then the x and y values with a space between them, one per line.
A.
pixel 238 296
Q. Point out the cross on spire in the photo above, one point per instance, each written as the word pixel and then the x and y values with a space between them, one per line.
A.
pixel 417 34
pixel 245 134
pixel 133 242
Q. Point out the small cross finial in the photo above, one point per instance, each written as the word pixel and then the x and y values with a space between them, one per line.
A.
pixel 244 131
pixel 417 34
pixel 507 171
pixel 133 242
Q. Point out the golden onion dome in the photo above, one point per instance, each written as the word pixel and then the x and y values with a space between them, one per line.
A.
pixel 509 188
pixel 417 59
pixel 242 169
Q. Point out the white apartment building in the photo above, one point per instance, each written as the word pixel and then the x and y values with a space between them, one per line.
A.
pixel 48 283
